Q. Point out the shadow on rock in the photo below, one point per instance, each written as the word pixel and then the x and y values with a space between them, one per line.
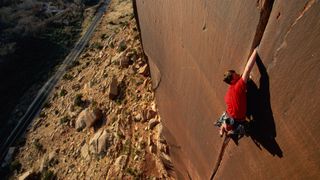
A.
pixel 262 128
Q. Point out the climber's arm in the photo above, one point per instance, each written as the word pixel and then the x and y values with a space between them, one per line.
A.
pixel 222 129
pixel 249 66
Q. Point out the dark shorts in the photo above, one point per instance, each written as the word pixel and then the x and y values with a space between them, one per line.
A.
pixel 239 127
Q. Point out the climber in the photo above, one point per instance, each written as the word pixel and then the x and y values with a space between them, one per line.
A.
pixel 233 120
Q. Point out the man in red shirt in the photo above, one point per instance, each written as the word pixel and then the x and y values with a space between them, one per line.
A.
pixel 236 98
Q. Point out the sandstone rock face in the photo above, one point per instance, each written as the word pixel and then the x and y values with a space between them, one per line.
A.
pixel 190 45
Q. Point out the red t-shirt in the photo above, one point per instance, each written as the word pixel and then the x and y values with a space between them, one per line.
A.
pixel 236 100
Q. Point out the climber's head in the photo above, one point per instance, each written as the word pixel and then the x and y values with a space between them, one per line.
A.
pixel 229 121
pixel 231 77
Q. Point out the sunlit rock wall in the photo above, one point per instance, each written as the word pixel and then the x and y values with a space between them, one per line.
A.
pixel 190 44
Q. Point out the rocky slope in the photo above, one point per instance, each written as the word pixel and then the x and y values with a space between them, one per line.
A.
pixel 101 120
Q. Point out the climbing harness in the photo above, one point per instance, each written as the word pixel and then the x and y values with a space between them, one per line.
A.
pixel 239 127
pixel 223 118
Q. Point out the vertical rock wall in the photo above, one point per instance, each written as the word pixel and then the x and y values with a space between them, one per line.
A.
pixel 190 45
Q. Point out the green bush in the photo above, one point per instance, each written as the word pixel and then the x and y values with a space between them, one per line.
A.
pixel 122 46
pixel 47 175
pixel 15 165
pixel 97 45
pixel 133 172
pixel 111 45
pixel 63 92
pixel 38 145
pixel 74 64
pixel 42 114
pixel 104 36
pixel 67 77
pixel 65 119
pixel 78 100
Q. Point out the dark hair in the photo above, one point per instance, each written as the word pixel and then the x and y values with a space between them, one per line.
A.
pixel 227 77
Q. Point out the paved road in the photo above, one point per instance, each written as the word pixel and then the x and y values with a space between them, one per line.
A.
pixel 45 91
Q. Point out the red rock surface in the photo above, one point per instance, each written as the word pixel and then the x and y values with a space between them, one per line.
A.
pixel 190 45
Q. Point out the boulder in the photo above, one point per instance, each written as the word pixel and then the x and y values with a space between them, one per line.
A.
pixel 85 151
pixel 163 148
pixel 154 106
pixel 71 111
pixel 137 117
pixel 149 141
pixel 76 87
pixel 153 148
pixel 113 88
pixel 166 160
pixel 103 142
pixel 132 55
pixel 115 59
pixel 120 162
pixel 124 61
pixel 151 114
pixel 148 114
pixel 27 175
pixel 100 142
pixel 144 70
pixel 98 115
pixel 87 118
pixel 115 170
pixel 47 160
pixel 152 123
pixel 95 141
pixel 80 122
pixel 44 164
pixel 52 156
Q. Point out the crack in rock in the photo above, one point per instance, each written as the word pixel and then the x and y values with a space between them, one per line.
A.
pixel 283 45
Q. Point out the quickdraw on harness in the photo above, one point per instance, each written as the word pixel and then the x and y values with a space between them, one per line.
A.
pixel 223 118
